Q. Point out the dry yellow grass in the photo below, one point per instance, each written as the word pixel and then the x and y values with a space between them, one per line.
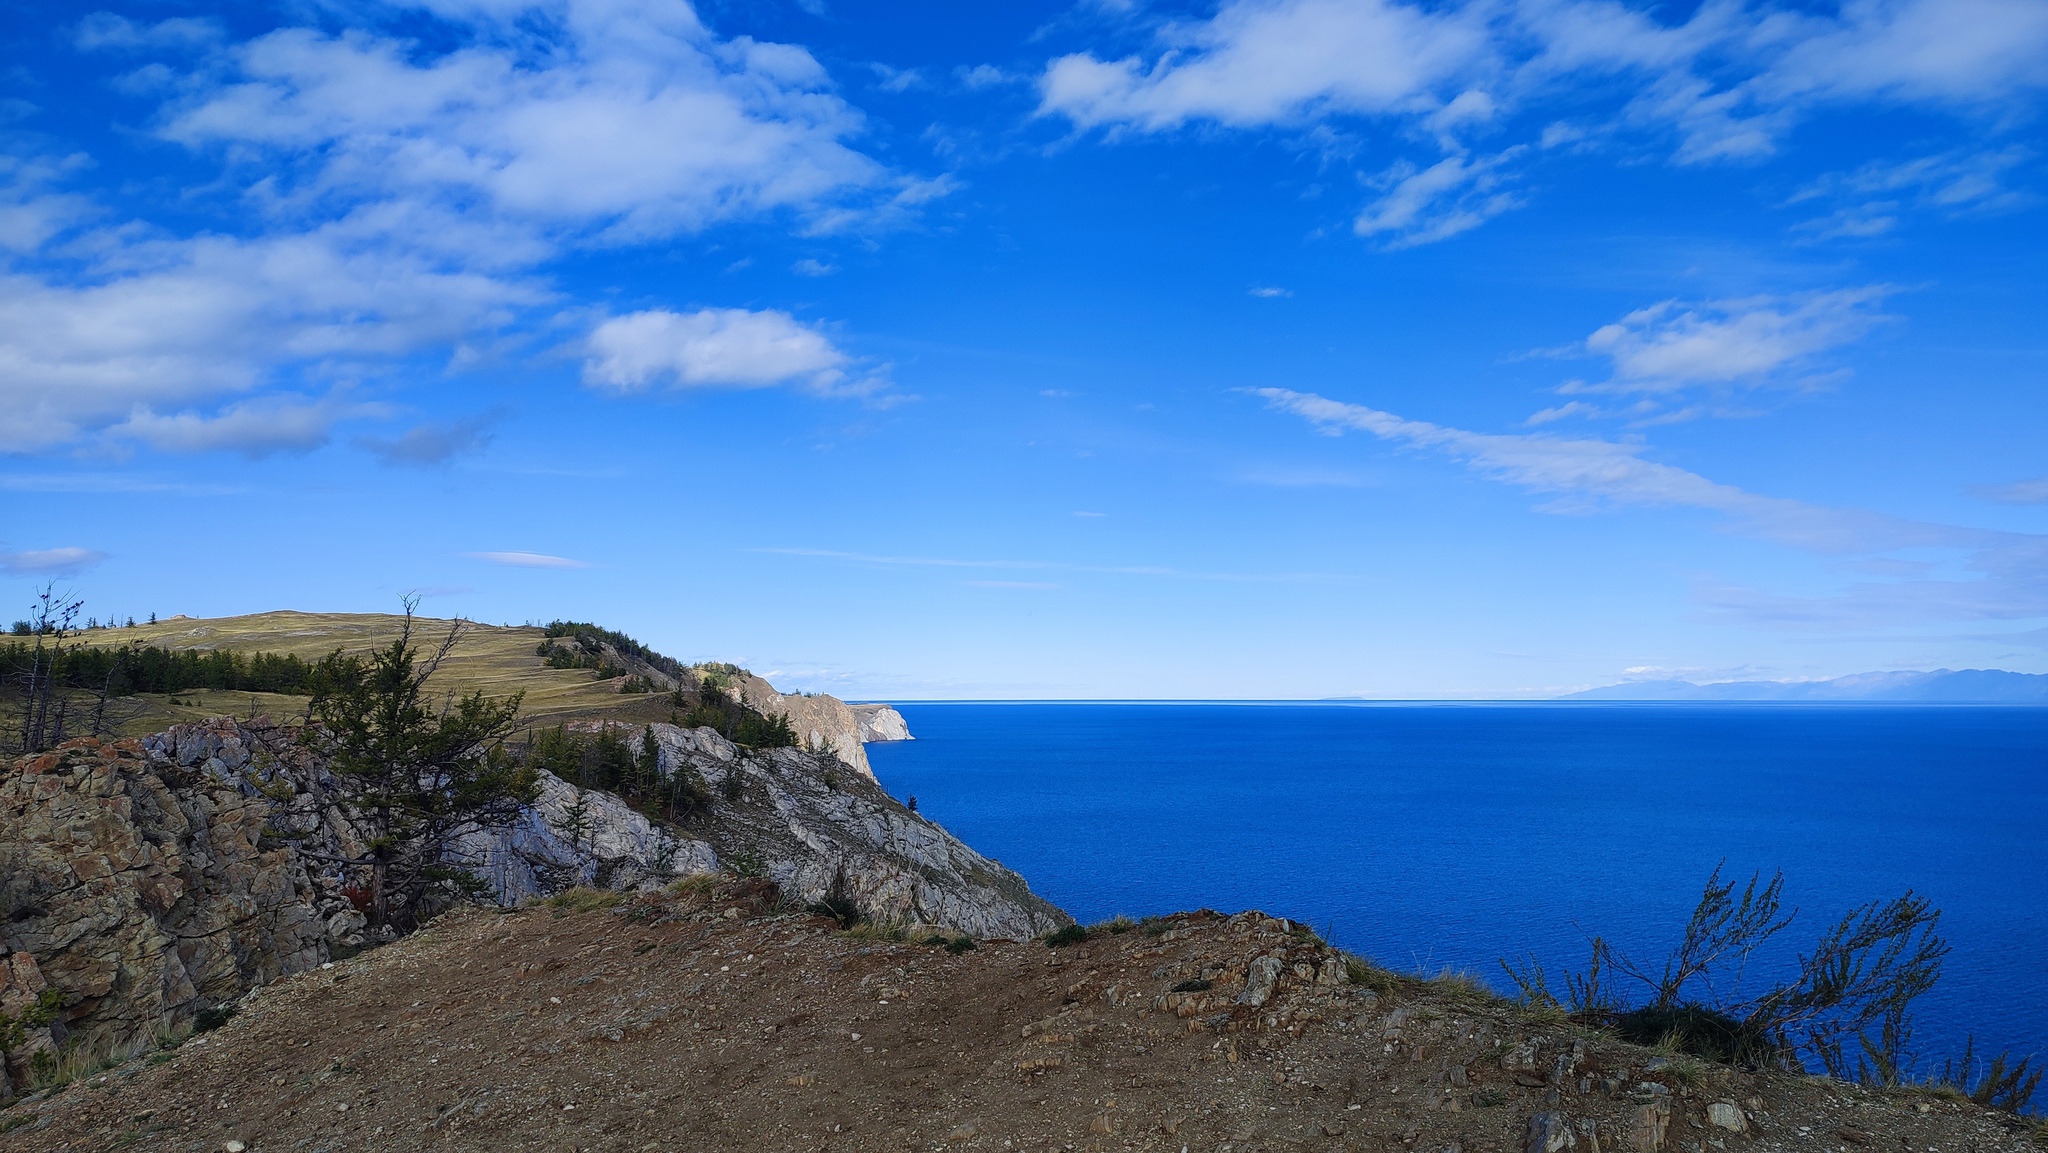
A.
pixel 496 659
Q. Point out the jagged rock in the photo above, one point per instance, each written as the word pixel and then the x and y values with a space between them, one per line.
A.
pixel 1727 1115
pixel 1647 1125
pixel 818 831
pixel 145 880
pixel 1551 1133
pixel 619 849
pixel 1260 977
pixel 880 723
pixel 143 889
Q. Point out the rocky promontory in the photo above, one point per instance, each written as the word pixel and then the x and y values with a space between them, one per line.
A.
pixel 149 880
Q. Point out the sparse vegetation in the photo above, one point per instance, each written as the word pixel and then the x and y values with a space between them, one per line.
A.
pixel 1855 988
pixel 1071 935
pixel 582 900
pixel 605 760
pixel 412 777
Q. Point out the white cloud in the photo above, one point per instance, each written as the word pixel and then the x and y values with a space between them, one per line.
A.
pixel 1269 292
pixel 1275 61
pixel 529 560
pixel 254 428
pixel 1870 199
pixel 1729 81
pixel 103 31
pixel 167 323
pixel 1454 195
pixel 710 348
pixel 640 123
pixel 810 267
pixel 2019 492
pixel 979 76
pixel 1673 344
pixel 2005 574
pixel 49 562
pixel 398 199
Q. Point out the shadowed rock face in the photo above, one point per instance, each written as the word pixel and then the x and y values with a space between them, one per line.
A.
pixel 140 887
pixel 145 879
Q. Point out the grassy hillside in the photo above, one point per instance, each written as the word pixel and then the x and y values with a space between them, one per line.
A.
pixel 493 658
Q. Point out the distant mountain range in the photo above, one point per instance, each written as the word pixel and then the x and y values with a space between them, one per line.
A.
pixel 1958 686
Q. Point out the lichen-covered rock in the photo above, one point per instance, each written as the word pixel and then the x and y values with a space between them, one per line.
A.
pixel 143 890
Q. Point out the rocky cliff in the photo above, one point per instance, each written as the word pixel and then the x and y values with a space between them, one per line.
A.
pixel 146 881
pixel 821 722
pixel 880 723
pixel 144 889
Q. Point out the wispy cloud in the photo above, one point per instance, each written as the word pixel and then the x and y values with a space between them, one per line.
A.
pixel 1028 565
pixel 104 482
pixel 2019 492
pixel 430 444
pixel 1454 195
pixel 1269 292
pixel 1717 349
pixel 49 562
pixel 1726 82
pixel 2000 575
pixel 1870 200
pixel 529 560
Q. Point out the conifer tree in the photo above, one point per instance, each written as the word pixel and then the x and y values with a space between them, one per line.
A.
pixel 412 778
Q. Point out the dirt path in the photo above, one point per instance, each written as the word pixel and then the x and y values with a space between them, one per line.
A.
pixel 707 1022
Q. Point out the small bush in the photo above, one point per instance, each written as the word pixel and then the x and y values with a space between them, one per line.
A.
pixel 960 944
pixel 1155 926
pixel 840 908
pixel 210 1019
pixel 1071 935
pixel 1999 1084
pixel 1695 1029
pixel 1115 925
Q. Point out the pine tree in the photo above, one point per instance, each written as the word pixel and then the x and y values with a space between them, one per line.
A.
pixel 412 779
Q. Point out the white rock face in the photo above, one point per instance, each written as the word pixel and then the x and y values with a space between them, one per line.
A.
pixel 880 723
pixel 619 849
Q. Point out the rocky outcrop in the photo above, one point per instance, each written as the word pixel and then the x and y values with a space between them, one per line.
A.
pixel 823 723
pixel 143 889
pixel 820 831
pixel 880 723
pixel 609 846
pixel 146 880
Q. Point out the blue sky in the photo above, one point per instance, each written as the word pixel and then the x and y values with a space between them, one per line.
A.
pixel 1271 348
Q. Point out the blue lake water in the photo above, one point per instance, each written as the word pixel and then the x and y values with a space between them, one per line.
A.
pixel 1434 836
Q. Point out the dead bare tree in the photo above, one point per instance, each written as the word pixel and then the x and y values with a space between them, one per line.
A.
pixel 53 617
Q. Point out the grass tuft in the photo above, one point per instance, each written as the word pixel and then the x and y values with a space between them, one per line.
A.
pixel 581 899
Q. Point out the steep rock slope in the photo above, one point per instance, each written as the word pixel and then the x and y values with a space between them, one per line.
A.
pixel 709 1021
pixel 143 889
pixel 881 723
pixel 145 880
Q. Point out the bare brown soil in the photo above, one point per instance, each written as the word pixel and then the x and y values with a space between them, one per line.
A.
pixel 710 1020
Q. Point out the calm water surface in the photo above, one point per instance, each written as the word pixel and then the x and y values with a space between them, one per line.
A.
pixel 1429 836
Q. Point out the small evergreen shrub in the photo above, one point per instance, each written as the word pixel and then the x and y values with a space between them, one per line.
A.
pixel 1071 935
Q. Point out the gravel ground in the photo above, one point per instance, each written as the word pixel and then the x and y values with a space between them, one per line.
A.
pixel 711 1020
